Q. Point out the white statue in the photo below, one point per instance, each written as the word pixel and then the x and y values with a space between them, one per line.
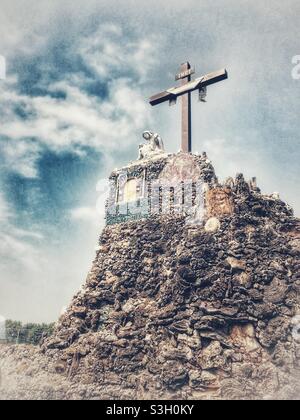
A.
pixel 153 146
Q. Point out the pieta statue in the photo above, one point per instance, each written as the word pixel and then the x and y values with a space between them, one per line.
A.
pixel 153 146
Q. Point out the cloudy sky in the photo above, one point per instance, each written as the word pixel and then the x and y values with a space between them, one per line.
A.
pixel 74 104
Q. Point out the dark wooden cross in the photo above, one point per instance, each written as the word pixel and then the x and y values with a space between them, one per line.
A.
pixel 185 89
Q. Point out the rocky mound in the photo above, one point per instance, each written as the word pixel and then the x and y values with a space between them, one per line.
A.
pixel 172 310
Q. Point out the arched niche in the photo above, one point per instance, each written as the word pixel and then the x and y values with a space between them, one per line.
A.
pixel 130 190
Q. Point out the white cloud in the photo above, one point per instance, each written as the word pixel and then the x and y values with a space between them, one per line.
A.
pixel 86 214
pixel 81 119
pixel 20 155
pixel 4 210
pixel 15 250
pixel 109 49
pixel 15 243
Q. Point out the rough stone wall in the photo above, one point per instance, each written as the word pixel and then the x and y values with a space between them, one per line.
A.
pixel 172 310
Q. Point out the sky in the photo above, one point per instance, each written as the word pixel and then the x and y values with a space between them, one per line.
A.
pixel 74 105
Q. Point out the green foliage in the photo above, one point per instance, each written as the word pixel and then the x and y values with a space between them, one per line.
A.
pixel 18 333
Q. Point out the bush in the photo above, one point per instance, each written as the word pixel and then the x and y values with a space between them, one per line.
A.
pixel 18 333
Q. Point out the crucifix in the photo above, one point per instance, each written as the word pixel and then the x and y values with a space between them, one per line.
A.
pixel 185 89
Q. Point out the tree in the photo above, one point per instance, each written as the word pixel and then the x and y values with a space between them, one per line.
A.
pixel 18 333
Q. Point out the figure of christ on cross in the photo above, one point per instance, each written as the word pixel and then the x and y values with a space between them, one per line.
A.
pixel 184 90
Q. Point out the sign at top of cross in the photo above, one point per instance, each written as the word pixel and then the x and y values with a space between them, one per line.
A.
pixel 185 89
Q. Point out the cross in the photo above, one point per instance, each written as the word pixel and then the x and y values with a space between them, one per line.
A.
pixel 185 89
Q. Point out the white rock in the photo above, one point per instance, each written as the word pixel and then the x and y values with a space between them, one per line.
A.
pixel 212 225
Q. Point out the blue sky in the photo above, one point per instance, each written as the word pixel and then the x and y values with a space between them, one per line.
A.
pixel 74 105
